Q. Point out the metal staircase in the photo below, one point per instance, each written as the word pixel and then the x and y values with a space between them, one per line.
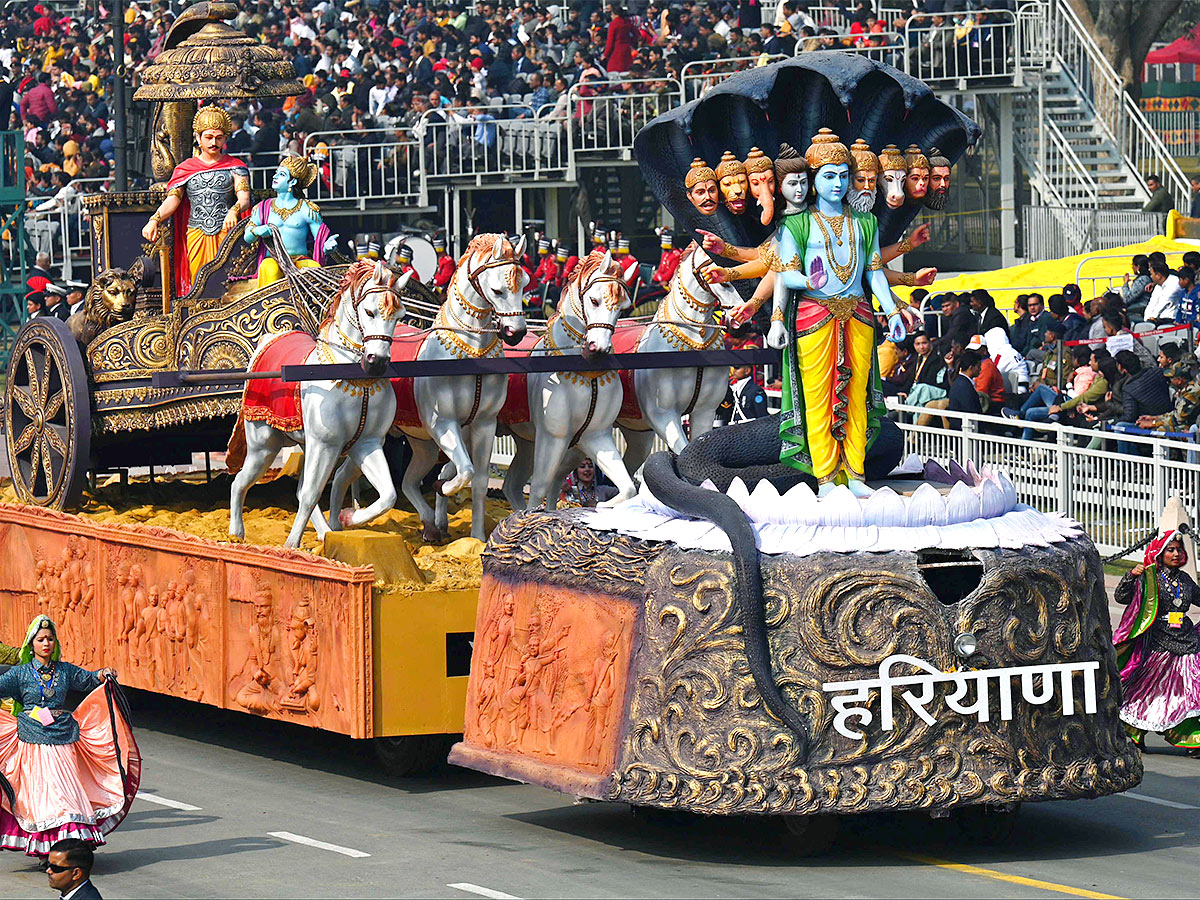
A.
pixel 1079 135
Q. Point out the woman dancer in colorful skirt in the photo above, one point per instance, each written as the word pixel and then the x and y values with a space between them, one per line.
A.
pixel 74 775
pixel 1158 647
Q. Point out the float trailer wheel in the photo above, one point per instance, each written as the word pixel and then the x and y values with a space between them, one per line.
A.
pixel 412 755
pixel 47 415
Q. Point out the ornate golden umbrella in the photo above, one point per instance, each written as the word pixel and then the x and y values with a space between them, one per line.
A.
pixel 205 59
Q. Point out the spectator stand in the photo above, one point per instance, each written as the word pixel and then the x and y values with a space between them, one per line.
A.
pixel 13 259
pixel 699 75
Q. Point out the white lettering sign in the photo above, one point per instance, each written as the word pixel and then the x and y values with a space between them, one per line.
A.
pixel 851 697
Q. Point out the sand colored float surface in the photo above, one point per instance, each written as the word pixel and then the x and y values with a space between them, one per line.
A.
pixel 189 505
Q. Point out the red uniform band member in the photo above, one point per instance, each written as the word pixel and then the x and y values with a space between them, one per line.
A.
pixel 668 262
pixel 445 264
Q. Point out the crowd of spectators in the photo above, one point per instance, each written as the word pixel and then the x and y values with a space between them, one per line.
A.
pixel 1095 365
pixel 378 71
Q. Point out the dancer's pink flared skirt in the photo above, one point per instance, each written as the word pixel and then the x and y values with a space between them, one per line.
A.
pixel 68 790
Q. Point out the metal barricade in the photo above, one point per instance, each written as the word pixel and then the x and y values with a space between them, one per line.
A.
pixel 699 75
pixel 604 116
pixel 1117 497
pixel 493 142
pixel 981 46
pixel 359 167
pixel 884 47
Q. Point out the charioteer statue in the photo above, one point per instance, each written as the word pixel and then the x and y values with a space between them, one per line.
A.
pixel 297 219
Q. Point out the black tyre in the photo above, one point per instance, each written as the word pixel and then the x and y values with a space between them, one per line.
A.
pixel 413 755
pixel 988 825
pixel 47 415
pixel 811 835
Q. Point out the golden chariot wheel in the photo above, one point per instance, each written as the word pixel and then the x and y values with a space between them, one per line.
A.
pixel 47 415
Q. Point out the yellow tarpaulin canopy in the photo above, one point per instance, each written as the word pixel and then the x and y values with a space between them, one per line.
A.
pixel 1103 269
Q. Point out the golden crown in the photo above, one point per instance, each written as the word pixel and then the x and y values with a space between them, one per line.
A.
pixel 212 117
pixel 826 150
pixel 758 161
pixel 915 159
pixel 864 159
pixel 699 172
pixel 892 160
pixel 301 169
pixel 729 165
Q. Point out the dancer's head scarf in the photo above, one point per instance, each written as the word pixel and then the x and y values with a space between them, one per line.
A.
pixel 39 622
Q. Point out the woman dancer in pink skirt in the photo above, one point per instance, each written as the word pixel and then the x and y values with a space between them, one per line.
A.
pixel 1158 647
pixel 73 775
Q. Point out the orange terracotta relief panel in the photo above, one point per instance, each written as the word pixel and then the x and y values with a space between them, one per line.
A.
pixel 548 673
pixel 276 633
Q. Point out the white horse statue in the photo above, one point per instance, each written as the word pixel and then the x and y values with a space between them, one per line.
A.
pixel 661 398
pixel 457 415
pixel 328 419
pixel 572 409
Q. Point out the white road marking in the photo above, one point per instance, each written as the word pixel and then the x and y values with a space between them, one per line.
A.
pixel 1155 800
pixel 482 891
pixel 320 845
pixel 163 801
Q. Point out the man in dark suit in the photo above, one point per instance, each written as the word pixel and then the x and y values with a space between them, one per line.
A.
pixel 745 399
pixel 69 867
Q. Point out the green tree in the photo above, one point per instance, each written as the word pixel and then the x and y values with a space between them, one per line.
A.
pixel 1125 31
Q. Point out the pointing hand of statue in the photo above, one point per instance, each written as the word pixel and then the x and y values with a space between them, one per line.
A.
pixel 926 276
pixel 817 276
pixel 331 243
pixel 920 235
pixel 896 330
pixel 710 242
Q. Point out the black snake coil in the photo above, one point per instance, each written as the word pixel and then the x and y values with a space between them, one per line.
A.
pixel 749 451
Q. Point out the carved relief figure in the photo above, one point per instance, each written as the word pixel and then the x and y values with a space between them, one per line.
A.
pixel 302 693
pixel 602 689
pixel 258 693
pixel 538 667
pixel 149 635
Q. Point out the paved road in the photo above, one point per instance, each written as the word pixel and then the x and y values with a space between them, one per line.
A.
pixel 252 779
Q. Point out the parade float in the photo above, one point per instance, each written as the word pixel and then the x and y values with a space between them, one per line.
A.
pixel 790 618
pixel 360 638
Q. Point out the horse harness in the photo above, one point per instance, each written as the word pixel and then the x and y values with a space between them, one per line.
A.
pixel 680 341
pixel 461 348
pixel 367 386
pixel 592 377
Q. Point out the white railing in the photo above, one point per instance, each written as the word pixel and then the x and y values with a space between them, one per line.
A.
pixel 890 52
pixel 62 232
pixel 605 115
pixel 988 49
pixel 1045 236
pixel 1179 129
pixel 1102 283
pixel 699 75
pixel 1117 497
pixel 1084 61
pixel 487 143
pixel 1031 23
pixel 359 167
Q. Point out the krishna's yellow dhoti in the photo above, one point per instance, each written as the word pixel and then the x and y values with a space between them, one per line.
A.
pixel 834 348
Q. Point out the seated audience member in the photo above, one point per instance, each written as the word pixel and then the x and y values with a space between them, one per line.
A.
pixel 1186 402
pixel 961 393
pixel 985 310
pixel 1146 393
pixel 1136 290
pixel 1189 300
pixel 1031 335
pixel 1164 298
pixel 1114 325
pixel 1074 326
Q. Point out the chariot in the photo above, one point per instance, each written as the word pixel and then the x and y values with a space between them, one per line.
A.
pixel 73 407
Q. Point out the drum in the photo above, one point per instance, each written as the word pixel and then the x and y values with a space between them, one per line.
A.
pixel 424 258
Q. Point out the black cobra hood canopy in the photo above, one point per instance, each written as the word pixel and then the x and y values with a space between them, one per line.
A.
pixel 787 102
